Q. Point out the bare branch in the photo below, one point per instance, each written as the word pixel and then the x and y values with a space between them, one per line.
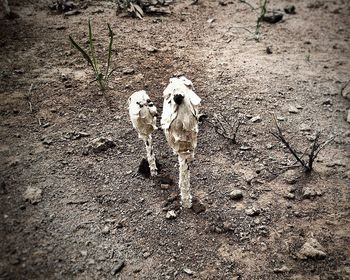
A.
pixel 279 136
pixel 226 128
pixel 313 152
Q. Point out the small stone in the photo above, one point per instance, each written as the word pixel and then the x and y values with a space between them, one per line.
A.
pixel 256 119
pixel 281 119
pixel 188 271
pixel 83 253
pixel 72 13
pixel 327 102
pixel 146 255
pixel 33 195
pixel 348 117
pixel 197 206
pixel 90 261
pixel 151 49
pixel 236 194
pixel 308 193
pixel 282 269
pixel 170 215
pixel 118 267
pixel 137 270
pixel 128 71
pixel 272 17
pixel 289 9
pixel 164 186
pixel 289 196
pixel 47 141
pixel 312 249
pixel 305 127
pixel 293 110
pixel 252 212
pixel 101 144
pixel 291 177
pixel 269 50
pixel 105 230
pixel 245 148
pixel 211 20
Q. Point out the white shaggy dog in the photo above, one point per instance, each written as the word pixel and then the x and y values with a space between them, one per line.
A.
pixel 143 115
pixel 180 124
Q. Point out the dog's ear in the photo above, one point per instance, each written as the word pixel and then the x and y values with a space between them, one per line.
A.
pixel 134 108
pixel 187 82
pixel 194 98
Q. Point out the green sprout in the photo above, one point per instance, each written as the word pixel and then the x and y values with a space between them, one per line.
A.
pixel 90 57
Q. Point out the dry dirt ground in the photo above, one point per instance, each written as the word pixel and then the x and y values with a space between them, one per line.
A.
pixel 70 213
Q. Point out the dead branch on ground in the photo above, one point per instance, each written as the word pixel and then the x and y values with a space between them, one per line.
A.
pixel 225 127
pixel 315 149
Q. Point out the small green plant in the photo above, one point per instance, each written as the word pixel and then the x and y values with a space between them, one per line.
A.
pixel 263 10
pixel 90 57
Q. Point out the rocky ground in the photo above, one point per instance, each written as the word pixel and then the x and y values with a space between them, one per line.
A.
pixel 72 203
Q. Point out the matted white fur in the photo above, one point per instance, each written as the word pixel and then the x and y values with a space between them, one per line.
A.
pixel 143 117
pixel 180 124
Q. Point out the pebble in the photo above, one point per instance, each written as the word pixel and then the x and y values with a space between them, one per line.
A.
pixel 282 269
pixel 245 148
pixel 33 195
pixel 47 141
pixel 105 230
pixel 252 212
pixel 291 177
pixel 293 110
pixel 90 261
pixel 188 271
pixel 348 117
pixel 269 50
pixel 170 215
pixel 289 196
pixel 289 9
pixel 146 254
pixel 151 49
pixel 101 144
pixel 312 249
pixel 128 71
pixel 197 206
pixel 308 193
pixel 256 119
pixel 327 102
pixel 305 127
pixel 83 253
pixel 236 194
pixel 118 267
pixel 164 186
pixel 272 17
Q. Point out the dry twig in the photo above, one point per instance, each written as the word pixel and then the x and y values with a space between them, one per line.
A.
pixel 316 147
pixel 225 127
